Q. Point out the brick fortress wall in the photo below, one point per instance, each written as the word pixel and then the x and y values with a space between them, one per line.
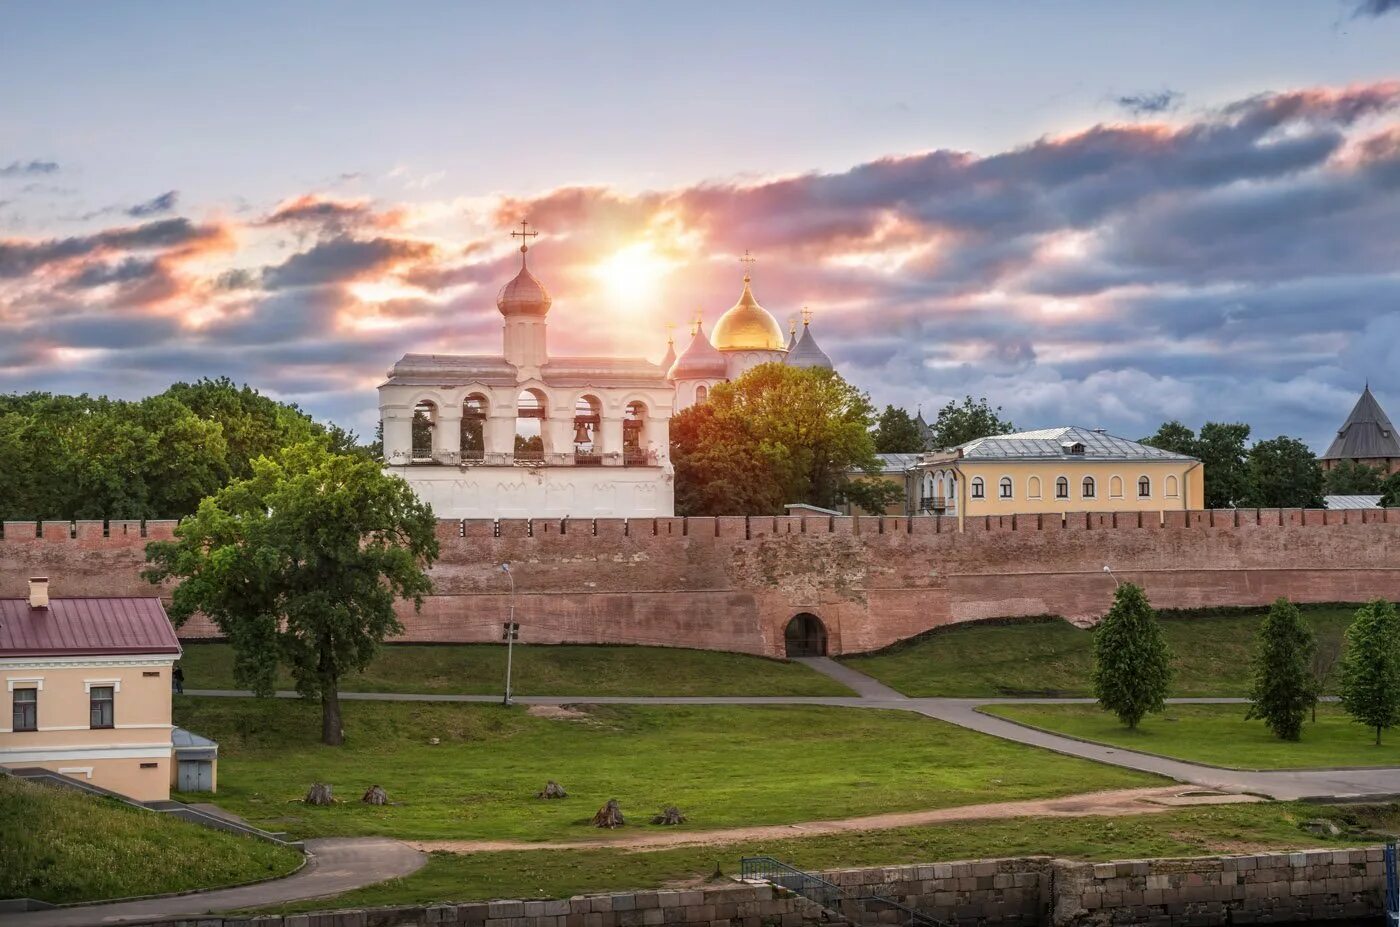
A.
pixel 735 583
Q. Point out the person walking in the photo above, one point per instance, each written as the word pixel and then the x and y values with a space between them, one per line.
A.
pixel 177 679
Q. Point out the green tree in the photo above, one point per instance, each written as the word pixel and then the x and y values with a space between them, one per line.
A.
pixel 1282 473
pixel 1371 667
pixel 1175 437
pixel 1284 689
pixel 1390 491
pixel 1221 451
pixel 776 435
pixel 958 423
pixel 897 433
pixel 1132 664
pixel 301 564
pixel 1353 478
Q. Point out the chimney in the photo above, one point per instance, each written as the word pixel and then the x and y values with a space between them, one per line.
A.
pixel 38 592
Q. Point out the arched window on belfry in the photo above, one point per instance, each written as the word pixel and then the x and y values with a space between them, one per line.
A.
pixel 425 415
pixel 530 413
pixel 634 423
pixel 588 430
pixel 474 411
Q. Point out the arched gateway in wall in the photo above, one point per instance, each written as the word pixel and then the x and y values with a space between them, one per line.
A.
pixel 805 636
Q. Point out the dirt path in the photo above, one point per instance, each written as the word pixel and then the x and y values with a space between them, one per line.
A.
pixel 1117 802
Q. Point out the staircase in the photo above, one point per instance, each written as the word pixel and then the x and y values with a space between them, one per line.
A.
pixel 839 904
pixel 203 818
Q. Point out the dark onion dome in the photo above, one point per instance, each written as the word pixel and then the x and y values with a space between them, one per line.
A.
pixel 700 360
pixel 807 353
pixel 670 358
pixel 524 295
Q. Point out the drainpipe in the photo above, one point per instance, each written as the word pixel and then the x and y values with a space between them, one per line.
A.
pixel 1186 488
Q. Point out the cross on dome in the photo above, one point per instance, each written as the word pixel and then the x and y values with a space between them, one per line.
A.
pixel 748 260
pixel 524 235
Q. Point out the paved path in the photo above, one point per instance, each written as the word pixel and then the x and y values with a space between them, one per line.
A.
pixel 336 865
pixel 859 683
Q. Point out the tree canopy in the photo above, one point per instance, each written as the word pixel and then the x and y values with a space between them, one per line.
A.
pixel 896 432
pixel 1282 473
pixel 301 565
pixel 1132 663
pixel 1371 667
pixel 94 457
pixel 776 435
pixel 1284 689
pixel 1221 449
pixel 1352 478
pixel 958 423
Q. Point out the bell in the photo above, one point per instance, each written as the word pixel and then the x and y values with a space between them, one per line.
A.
pixel 581 434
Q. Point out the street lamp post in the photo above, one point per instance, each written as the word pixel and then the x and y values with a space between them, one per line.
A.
pixel 1116 583
pixel 511 631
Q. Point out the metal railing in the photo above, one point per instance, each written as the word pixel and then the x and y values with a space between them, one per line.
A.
pixel 827 893
pixel 1392 884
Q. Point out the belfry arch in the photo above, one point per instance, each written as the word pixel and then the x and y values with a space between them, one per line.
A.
pixel 805 636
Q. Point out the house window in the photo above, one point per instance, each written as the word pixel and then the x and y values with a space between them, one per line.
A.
pixel 100 706
pixel 1033 487
pixel 1115 487
pixel 26 703
pixel 1088 487
pixel 1004 488
pixel 1062 488
pixel 978 488
pixel 1144 487
pixel 1171 487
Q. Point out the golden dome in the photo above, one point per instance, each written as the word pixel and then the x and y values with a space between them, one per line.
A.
pixel 747 326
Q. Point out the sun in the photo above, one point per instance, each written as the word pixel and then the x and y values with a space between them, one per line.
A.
pixel 632 277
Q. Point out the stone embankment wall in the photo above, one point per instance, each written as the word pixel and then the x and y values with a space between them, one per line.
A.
pixel 1034 892
pixel 735 583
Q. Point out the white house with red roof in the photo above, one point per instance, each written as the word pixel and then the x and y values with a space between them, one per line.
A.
pixel 88 686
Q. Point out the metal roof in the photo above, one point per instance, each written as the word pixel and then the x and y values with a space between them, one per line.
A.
pixel 1352 502
pixel 897 463
pixel 1366 434
pixel 85 626
pixel 1054 444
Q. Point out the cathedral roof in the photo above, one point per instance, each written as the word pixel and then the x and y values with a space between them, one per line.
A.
pixel 699 360
pixel 808 353
pixel 1366 434
pixel 524 295
pixel 670 357
pixel 747 326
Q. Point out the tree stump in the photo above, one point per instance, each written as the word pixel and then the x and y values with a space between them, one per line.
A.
pixel 552 789
pixel 320 794
pixel 609 816
pixel 375 795
pixel 670 815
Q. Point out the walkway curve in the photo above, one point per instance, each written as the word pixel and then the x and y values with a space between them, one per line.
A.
pixel 335 865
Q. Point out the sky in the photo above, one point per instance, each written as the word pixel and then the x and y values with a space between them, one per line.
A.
pixel 1107 214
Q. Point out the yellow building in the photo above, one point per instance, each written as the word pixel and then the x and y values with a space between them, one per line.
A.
pixel 1055 470
pixel 88 682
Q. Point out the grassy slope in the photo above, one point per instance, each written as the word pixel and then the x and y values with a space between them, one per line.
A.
pixel 1218 734
pixel 724 766
pixel 62 846
pixel 480 669
pixel 561 873
pixel 1053 657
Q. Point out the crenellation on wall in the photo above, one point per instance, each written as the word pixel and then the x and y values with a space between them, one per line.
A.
pixel 21 531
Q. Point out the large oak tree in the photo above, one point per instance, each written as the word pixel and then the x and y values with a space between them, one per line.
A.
pixel 301 565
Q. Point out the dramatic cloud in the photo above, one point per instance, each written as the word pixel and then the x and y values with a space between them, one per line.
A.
pixel 1145 104
pixel 28 168
pixel 1235 263
pixel 155 206
pixel 1374 8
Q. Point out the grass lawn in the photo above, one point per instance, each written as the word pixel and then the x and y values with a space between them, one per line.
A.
pixel 1053 658
pixel 1219 735
pixel 724 766
pixel 561 873
pixel 540 669
pixel 61 846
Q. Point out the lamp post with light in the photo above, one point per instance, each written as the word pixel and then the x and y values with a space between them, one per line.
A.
pixel 511 631
pixel 1116 583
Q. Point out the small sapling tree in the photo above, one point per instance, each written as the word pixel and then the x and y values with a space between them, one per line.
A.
pixel 1132 664
pixel 301 564
pixel 1284 689
pixel 1371 667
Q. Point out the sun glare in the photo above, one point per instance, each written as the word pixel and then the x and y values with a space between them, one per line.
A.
pixel 632 277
